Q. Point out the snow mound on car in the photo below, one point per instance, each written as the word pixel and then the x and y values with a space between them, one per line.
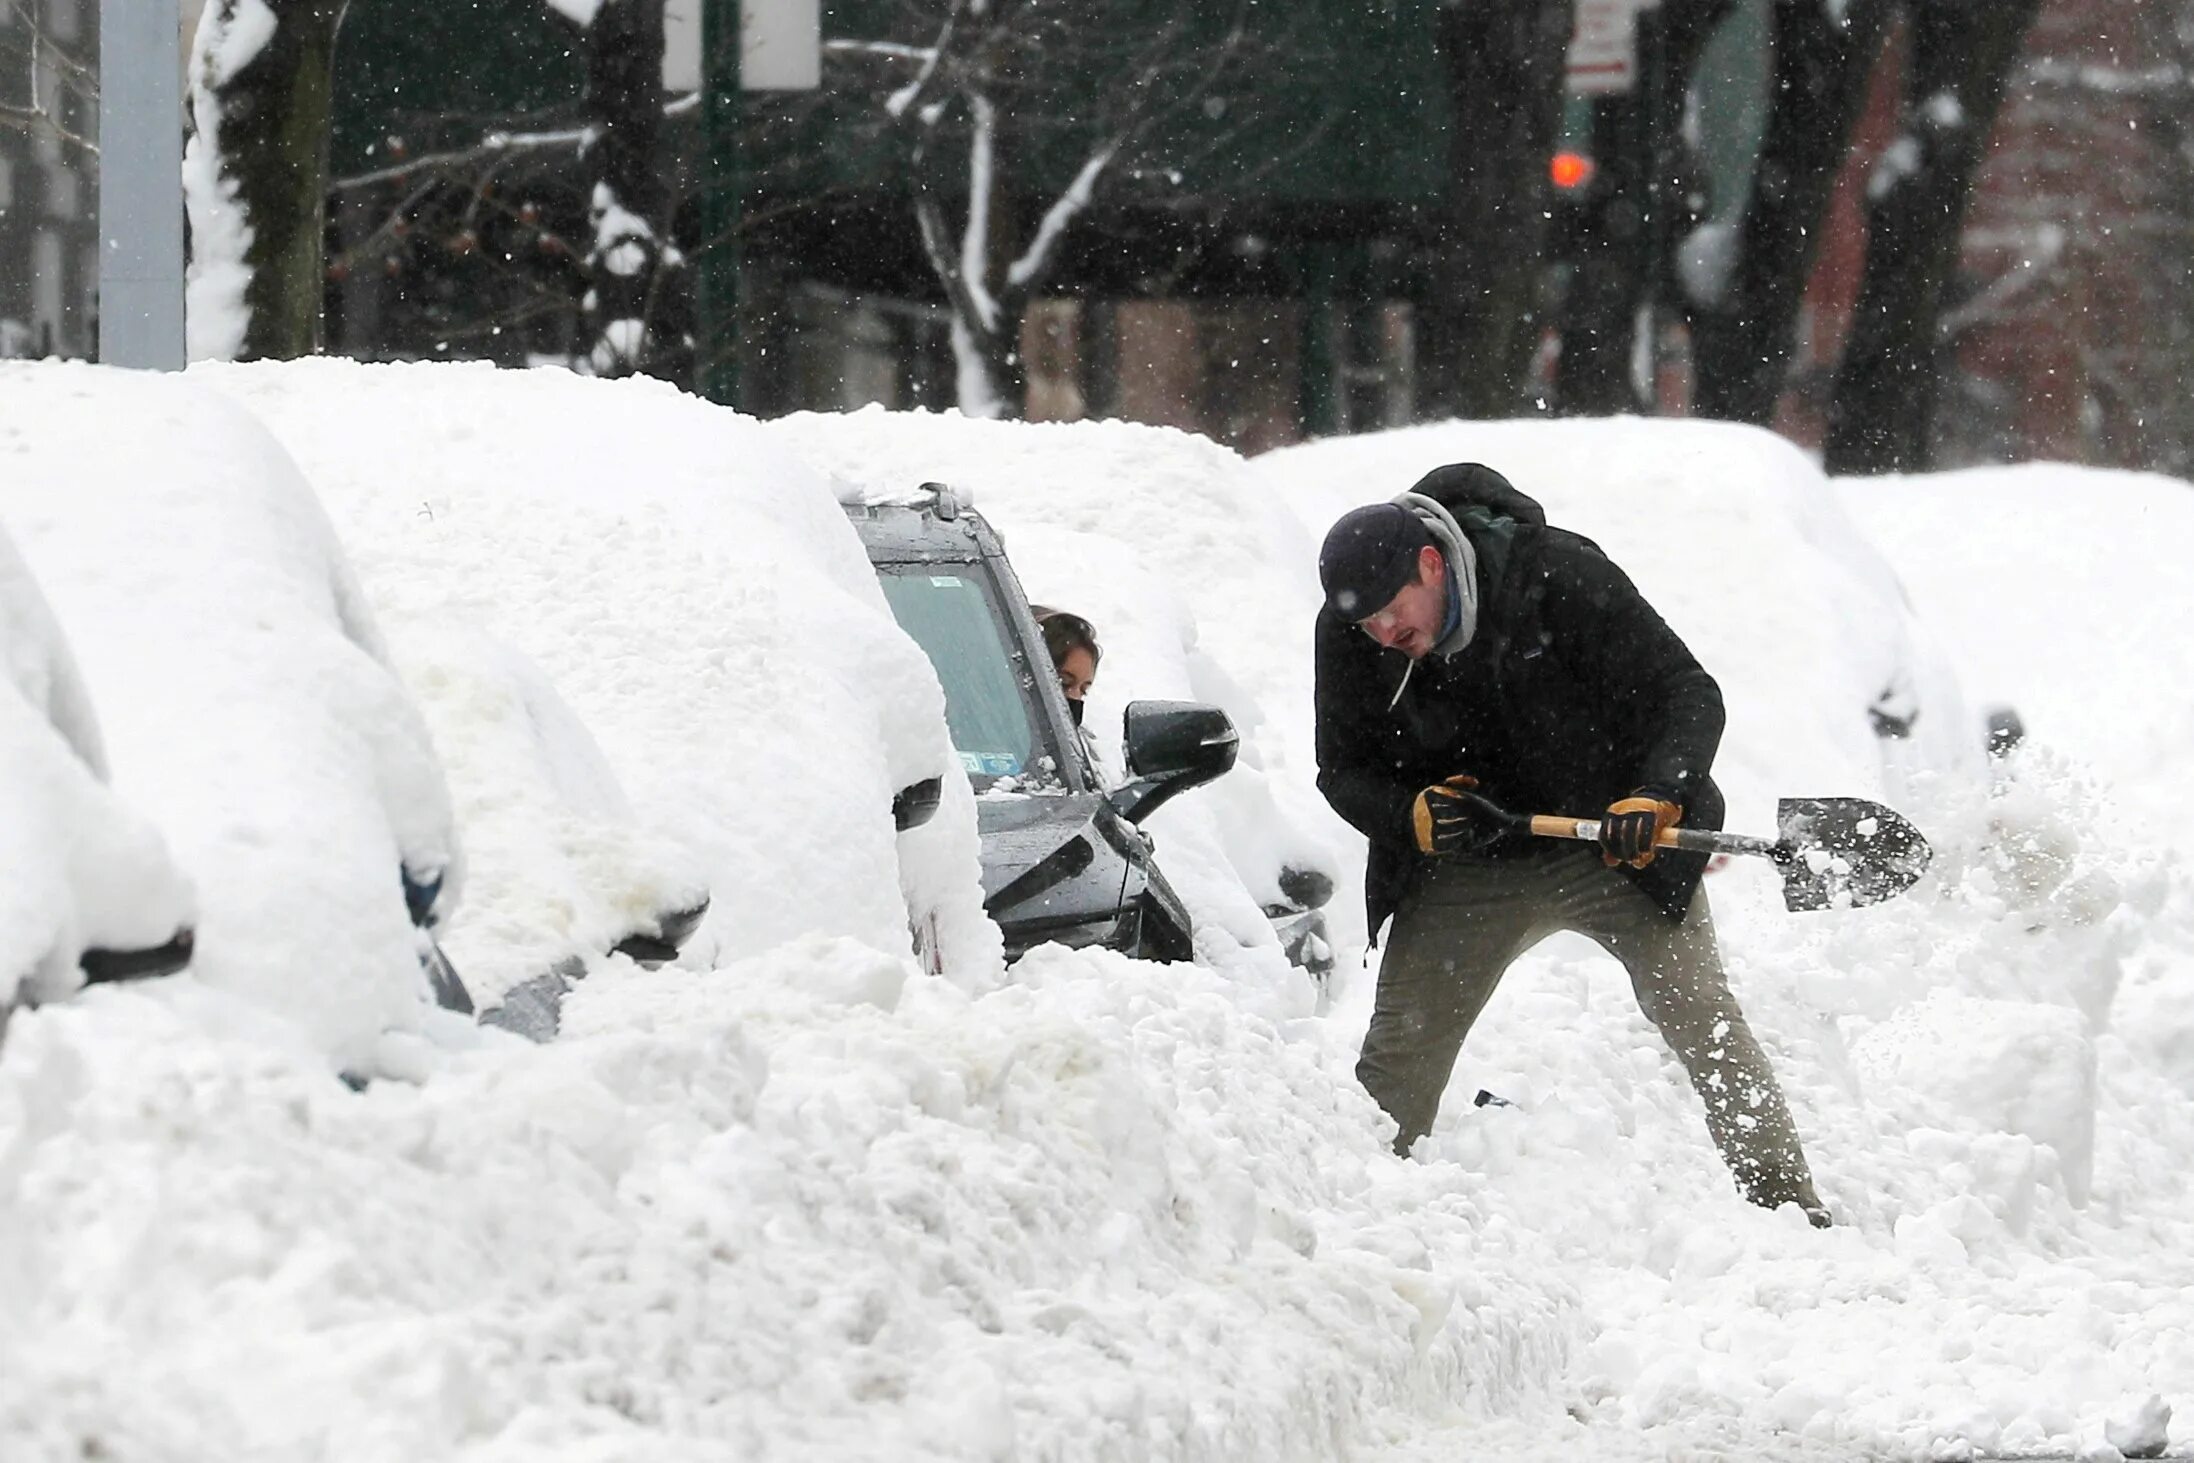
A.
pixel 697 597
pixel 243 689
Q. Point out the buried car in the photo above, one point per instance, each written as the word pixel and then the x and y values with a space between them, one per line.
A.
pixel 246 701
pixel 660 667
pixel 1064 855
pixel 88 892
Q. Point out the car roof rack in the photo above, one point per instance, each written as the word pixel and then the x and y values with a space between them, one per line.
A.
pixel 946 501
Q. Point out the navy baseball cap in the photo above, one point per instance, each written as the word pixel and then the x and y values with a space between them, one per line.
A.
pixel 1369 557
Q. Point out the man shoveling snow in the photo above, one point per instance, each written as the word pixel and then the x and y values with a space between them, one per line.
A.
pixel 1472 660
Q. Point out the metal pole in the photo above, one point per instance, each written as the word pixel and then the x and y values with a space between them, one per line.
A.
pixel 1318 395
pixel 1653 83
pixel 140 185
pixel 716 280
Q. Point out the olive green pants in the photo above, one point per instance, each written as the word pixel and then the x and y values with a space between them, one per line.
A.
pixel 1468 920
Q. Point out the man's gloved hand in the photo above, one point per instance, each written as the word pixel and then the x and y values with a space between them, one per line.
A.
pixel 1449 818
pixel 1632 825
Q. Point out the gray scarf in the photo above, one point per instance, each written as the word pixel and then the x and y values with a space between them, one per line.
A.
pixel 1462 563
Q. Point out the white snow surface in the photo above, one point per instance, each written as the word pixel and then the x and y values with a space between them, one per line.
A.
pixel 243 689
pixel 801 1200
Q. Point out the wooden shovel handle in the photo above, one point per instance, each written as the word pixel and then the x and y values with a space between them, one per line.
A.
pixel 1695 840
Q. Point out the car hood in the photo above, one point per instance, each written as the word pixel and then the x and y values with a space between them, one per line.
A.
pixel 1051 860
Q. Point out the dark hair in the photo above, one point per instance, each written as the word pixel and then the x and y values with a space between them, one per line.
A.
pixel 1065 632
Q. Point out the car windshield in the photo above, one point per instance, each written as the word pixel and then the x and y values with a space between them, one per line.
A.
pixel 950 611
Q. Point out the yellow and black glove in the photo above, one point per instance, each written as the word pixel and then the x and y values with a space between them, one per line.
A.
pixel 1449 818
pixel 1632 826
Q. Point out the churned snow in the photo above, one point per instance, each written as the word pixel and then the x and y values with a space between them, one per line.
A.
pixel 795 1198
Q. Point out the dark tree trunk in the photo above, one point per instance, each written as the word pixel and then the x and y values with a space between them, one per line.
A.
pixel 1883 414
pixel 270 120
pixel 1741 339
pixel 1478 329
pixel 1634 206
pixel 629 266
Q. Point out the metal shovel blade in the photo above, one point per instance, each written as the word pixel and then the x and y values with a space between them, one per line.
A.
pixel 1840 853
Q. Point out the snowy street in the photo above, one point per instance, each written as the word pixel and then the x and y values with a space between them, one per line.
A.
pixel 831 1179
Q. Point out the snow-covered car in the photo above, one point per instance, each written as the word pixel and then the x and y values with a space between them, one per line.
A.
pixel 1065 858
pixel 1191 585
pixel 695 598
pixel 561 873
pixel 246 698
pixel 87 890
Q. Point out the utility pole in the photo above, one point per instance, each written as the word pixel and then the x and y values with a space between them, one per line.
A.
pixel 758 45
pixel 716 273
pixel 140 185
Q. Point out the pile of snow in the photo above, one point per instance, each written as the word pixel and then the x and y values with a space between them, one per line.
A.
pixel 243 689
pixel 2058 589
pixel 78 868
pixel 808 1206
pixel 2055 589
pixel 699 599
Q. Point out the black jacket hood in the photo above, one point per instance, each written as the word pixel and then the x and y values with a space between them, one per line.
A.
pixel 1461 486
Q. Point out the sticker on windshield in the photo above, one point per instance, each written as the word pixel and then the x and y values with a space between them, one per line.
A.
pixel 945 581
pixel 990 764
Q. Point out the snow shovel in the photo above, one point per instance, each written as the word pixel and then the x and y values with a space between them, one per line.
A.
pixel 1834 853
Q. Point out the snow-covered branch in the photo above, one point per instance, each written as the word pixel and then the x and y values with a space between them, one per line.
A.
pixel 1035 261
pixel 982 184
pixel 494 146
pixel 914 92
pixel 43 114
pixel 2036 268
pixel 2110 80
pixel 886 50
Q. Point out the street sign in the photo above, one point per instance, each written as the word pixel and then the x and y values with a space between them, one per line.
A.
pixel 1603 49
pixel 781 45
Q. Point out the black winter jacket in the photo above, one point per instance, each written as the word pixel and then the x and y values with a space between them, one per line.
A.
pixel 1573 693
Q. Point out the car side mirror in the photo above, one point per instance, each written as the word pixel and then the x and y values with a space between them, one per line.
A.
pixel 916 803
pixel 1171 747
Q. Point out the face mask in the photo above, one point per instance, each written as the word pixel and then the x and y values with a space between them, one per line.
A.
pixel 1074 712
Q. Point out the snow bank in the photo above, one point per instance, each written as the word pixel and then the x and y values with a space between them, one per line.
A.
pixel 78 867
pixel 697 596
pixel 780 1211
pixel 242 687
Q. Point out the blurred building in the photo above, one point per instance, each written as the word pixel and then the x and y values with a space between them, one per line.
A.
pixel 49 179
pixel 1277 296
pixel 2074 331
